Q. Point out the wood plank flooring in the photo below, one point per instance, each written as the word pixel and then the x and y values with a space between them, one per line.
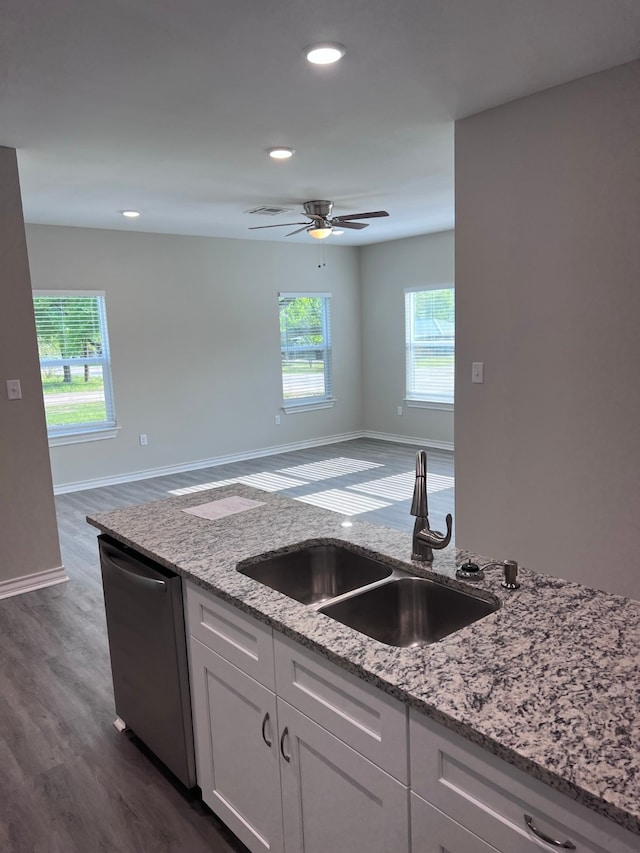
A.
pixel 69 782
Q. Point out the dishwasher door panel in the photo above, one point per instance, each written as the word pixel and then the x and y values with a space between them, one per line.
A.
pixel 145 624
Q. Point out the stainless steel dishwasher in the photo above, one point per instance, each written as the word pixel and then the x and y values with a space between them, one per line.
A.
pixel 145 624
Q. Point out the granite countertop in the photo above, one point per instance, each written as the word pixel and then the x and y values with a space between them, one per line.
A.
pixel 550 682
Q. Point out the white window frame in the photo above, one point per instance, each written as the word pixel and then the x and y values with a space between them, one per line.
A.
pixel 413 398
pixel 74 433
pixel 290 405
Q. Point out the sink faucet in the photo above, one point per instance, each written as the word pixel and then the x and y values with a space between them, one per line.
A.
pixel 425 539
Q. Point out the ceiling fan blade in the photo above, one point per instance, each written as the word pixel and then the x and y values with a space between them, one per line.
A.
pixel 370 215
pixel 277 225
pixel 298 230
pixel 340 223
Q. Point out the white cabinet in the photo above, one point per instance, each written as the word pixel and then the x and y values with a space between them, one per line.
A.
pixel 237 754
pixel 370 721
pixel 510 811
pixel 333 798
pixel 434 832
pixel 279 779
pixel 297 755
pixel 235 635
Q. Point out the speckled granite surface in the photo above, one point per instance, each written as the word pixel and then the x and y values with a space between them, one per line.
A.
pixel 550 682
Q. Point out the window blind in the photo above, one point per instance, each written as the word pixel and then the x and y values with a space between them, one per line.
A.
pixel 74 356
pixel 430 344
pixel 305 347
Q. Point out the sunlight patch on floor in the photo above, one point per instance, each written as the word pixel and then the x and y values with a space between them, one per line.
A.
pixel 397 487
pixel 202 487
pixel 329 468
pixel 270 482
pixel 439 482
pixel 343 502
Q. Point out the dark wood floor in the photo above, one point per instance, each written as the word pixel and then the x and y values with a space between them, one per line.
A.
pixel 68 781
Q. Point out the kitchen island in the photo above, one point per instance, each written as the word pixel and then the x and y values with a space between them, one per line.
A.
pixel 549 683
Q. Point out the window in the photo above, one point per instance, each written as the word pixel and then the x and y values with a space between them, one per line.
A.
pixel 71 327
pixel 305 350
pixel 430 343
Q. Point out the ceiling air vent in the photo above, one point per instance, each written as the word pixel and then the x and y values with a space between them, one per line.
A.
pixel 269 210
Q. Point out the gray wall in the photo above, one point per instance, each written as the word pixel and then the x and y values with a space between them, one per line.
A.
pixel 28 535
pixel 387 269
pixel 548 296
pixel 194 332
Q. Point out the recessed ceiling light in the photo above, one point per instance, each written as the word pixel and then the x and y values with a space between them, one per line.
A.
pixel 337 232
pixel 281 153
pixel 325 54
pixel 130 214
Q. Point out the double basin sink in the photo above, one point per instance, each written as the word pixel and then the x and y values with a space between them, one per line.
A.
pixel 364 593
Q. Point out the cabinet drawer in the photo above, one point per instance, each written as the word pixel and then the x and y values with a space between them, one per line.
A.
pixel 362 716
pixel 238 637
pixel 491 798
pixel 434 832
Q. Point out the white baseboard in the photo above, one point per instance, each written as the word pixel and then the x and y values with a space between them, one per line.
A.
pixel 406 439
pixel 130 476
pixel 29 583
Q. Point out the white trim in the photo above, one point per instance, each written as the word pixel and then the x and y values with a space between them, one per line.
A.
pixel 418 288
pixel 296 294
pixel 292 408
pixel 83 435
pixel 132 476
pixel 412 403
pixel 80 292
pixel 407 439
pixel 29 583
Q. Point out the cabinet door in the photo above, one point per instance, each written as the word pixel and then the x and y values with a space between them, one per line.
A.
pixel 332 797
pixel 434 832
pixel 235 726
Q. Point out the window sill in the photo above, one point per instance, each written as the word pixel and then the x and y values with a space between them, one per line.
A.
pixel 290 408
pixel 80 436
pixel 429 404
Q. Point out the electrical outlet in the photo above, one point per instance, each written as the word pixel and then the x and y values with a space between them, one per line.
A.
pixel 277 419
pixel 143 439
pixel 399 410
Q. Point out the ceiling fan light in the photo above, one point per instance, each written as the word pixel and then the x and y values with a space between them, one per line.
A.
pixel 320 233
pixel 325 54
pixel 281 153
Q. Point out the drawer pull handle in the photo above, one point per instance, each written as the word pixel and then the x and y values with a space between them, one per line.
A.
pixel 563 845
pixel 286 757
pixel 264 730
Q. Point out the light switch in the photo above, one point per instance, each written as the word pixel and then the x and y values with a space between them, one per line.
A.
pixel 14 392
pixel 477 372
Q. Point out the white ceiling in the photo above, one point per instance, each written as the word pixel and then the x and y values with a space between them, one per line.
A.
pixel 168 106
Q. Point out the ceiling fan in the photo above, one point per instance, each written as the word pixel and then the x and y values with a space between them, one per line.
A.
pixel 321 223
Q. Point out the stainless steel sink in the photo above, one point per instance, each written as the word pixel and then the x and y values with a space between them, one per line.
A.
pixel 409 611
pixel 317 573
